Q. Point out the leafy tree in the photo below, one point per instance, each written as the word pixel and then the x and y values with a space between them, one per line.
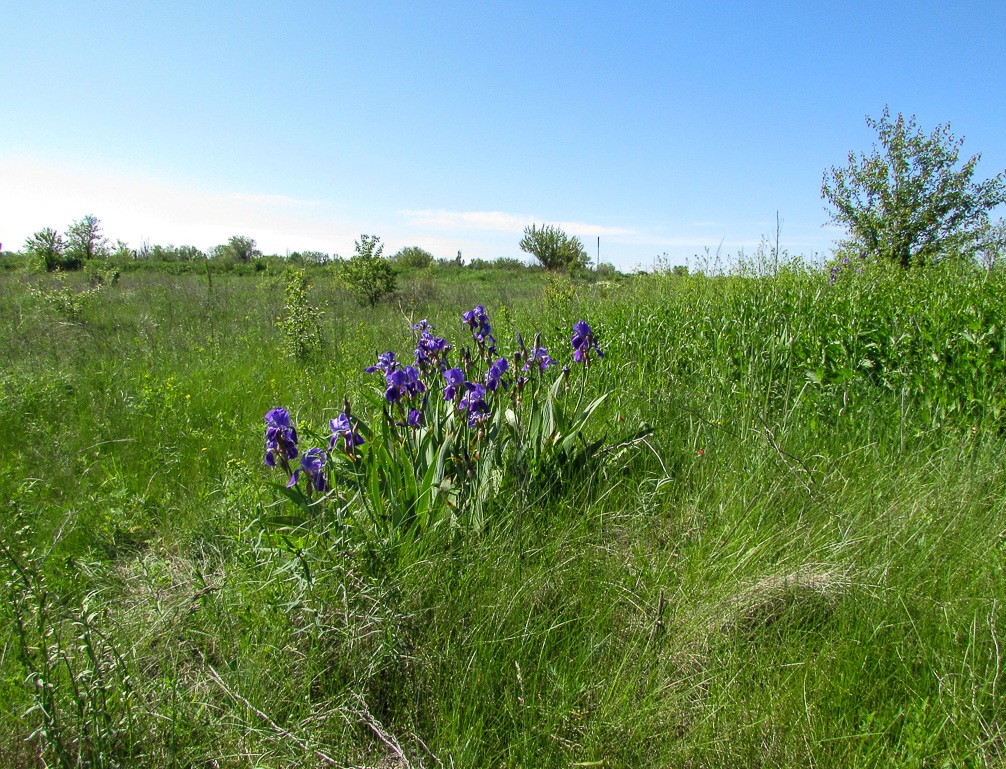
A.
pixel 46 248
pixel 238 249
pixel 367 272
pixel 84 241
pixel 413 257
pixel 909 201
pixel 553 248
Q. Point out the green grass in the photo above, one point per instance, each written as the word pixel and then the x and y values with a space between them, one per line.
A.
pixel 803 565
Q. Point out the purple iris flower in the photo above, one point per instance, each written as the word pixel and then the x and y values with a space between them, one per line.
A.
pixel 396 384
pixel 343 428
pixel 312 464
pixel 835 271
pixel 413 384
pixel 539 359
pixel 583 342
pixel 454 377
pixel 415 418
pixel 385 362
pixel 474 402
pixel 403 382
pixel 431 351
pixel 478 322
pixel 494 376
pixel 280 437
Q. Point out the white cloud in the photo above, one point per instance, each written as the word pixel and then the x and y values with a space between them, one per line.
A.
pixel 131 207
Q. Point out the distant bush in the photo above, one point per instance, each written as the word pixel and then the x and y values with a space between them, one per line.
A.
pixel 301 322
pixel 309 257
pixel 45 249
pixel 606 271
pixel 368 273
pixel 172 253
pixel 553 248
pixel 99 273
pixel 413 257
pixel 84 241
pixel 238 249
pixel 509 263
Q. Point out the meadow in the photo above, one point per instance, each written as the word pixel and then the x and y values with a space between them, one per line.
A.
pixel 789 550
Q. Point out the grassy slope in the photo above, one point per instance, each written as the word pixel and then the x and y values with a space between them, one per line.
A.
pixel 821 511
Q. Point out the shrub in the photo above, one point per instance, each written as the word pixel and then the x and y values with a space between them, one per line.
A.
pixel 367 272
pixel 301 322
pixel 238 249
pixel 608 270
pixel 413 257
pixel 553 248
pixel 99 274
pixel 46 249
pixel 908 202
pixel 509 263
pixel 84 241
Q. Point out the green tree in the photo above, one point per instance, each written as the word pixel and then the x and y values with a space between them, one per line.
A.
pixel 413 257
pixel 910 201
pixel 46 248
pixel 238 249
pixel 553 248
pixel 367 272
pixel 84 241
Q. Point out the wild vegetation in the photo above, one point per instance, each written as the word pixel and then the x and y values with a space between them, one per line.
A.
pixel 786 552
pixel 503 516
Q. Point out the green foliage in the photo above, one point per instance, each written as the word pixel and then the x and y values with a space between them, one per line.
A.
pixel 413 257
pixel 68 302
pixel 508 263
pixel 433 460
pixel 802 567
pixel 46 248
pixel 367 272
pixel 553 248
pixel 558 293
pixel 99 273
pixel 81 687
pixel 84 241
pixel 908 202
pixel 238 249
pixel 992 245
pixel 309 257
pixel 171 253
pixel 301 321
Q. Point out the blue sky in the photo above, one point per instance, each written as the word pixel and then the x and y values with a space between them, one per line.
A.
pixel 658 127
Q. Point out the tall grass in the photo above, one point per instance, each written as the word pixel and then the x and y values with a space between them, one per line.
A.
pixel 801 566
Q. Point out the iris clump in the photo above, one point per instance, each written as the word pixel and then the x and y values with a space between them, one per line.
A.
pixel 453 432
